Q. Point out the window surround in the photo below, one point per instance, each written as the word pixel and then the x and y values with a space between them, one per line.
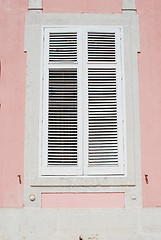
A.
pixel 33 42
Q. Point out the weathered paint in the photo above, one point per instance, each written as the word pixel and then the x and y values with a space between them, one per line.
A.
pixel 83 200
pixel 12 100
pixel 82 6
pixel 90 224
pixel 150 99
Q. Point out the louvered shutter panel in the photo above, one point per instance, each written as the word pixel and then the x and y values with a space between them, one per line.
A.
pixel 63 47
pixel 105 146
pixel 102 115
pixel 62 117
pixel 101 47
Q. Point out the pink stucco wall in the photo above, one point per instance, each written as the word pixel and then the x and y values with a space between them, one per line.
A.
pixel 12 100
pixel 83 200
pixel 82 6
pixel 150 98
pixel 12 93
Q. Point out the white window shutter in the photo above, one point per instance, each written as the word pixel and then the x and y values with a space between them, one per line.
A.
pixel 83 131
pixel 105 129
pixel 60 157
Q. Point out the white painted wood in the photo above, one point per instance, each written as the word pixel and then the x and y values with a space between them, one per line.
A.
pixel 104 164
pixel 55 167
pixel 104 168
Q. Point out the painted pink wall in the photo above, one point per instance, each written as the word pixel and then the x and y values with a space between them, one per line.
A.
pixel 150 98
pixel 84 6
pixel 83 200
pixel 12 95
pixel 12 100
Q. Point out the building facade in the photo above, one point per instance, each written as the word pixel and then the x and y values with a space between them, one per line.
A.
pixel 80 119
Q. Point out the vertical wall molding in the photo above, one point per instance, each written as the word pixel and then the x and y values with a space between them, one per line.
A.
pixel 35 5
pixel 128 5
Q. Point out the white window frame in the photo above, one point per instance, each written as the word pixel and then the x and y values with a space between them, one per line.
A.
pixel 82 66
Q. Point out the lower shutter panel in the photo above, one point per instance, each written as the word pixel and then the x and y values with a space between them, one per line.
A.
pixel 62 117
pixel 102 116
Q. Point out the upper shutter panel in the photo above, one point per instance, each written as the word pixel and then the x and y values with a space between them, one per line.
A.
pixel 102 117
pixel 63 47
pixel 62 117
pixel 101 47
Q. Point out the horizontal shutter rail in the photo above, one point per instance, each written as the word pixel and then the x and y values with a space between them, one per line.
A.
pixel 101 106
pixel 67 135
pixel 62 124
pixel 65 127
pixel 67 150
pixel 60 130
pixel 111 149
pixel 103 124
pixel 61 160
pixel 61 137
pixel 67 108
pixel 66 101
pixel 62 113
pixel 102 92
pixel 99 99
pixel 109 96
pixel 56 141
pixel 102 85
pixel 105 156
pixel 66 146
pixel 64 157
pixel 101 137
pixel 94 113
pixel 91 141
pixel 103 130
pixel 59 88
pixel 103 163
pixel 108 118
pixel 96 146
pixel 104 133
pixel 60 163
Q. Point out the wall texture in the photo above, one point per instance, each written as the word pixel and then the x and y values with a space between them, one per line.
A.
pixel 12 100
pixel 150 99
pixel 83 6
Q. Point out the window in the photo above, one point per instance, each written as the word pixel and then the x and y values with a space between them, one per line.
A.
pixel 89 72
pixel 83 120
